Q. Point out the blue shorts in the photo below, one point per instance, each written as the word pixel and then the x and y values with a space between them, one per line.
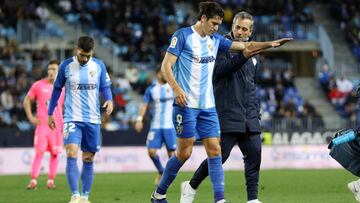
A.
pixel 87 135
pixel 198 123
pixel 157 137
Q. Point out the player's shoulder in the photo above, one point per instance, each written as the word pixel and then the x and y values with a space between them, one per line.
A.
pixel 151 87
pixel 98 61
pixel 39 82
pixel 185 31
pixel 67 61
pixel 218 36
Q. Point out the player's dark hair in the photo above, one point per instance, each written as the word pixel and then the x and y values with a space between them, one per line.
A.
pixel 85 43
pixel 210 9
pixel 158 70
pixel 54 61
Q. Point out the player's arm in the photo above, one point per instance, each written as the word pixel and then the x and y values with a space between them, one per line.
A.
pixel 105 86
pixel 55 95
pixel 139 118
pixel 143 108
pixel 108 105
pixel 166 68
pixel 257 46
pixel 225 66
pixel 28 111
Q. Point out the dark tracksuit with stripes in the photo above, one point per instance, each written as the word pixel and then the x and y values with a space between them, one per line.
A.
pixel 237 105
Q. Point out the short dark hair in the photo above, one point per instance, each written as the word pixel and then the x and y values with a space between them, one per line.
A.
pixel 54 61
pixel 85 43
pixel 210 9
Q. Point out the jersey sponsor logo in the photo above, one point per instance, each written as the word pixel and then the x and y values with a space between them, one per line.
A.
pixel 75 86
pixel 206 59
pixel 173 42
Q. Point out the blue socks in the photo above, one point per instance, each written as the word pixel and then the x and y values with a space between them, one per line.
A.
pixel 157 163
pixel 216 174
pixel 72 175
pixel 87 177
pixel 171 169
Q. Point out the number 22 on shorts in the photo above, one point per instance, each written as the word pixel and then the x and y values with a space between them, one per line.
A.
pixel 68 127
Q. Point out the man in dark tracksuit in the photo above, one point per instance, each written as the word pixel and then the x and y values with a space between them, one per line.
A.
pixel 238 108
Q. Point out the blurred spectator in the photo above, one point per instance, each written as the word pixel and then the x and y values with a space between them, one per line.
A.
pixel 324 77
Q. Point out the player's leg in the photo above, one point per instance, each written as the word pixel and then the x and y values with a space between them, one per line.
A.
pixel 188 188
pixel 185 122
pixel 40 146
pixel 90 144
pixel 72 139
pixel 208 130
pixel 250 147
pixel 153 143
pixel 173 166
pixel 55 149
pixel 169 137
pixel 354 187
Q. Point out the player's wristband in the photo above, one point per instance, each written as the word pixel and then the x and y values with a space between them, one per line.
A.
pixel 139 119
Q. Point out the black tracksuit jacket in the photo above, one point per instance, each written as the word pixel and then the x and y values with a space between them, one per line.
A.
pixel 234 81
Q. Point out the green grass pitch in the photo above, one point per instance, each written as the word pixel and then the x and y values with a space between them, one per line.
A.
pixel 276 186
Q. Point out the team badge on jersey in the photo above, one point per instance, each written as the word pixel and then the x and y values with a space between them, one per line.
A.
pixel 92 73
pixel 173 42
pixel 211 47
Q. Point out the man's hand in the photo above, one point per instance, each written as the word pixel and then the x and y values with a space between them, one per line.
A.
pixel 138 126
pixel 51 122
pixel 279 42
pixel 109 106
pixel 33 120
pixel 180 97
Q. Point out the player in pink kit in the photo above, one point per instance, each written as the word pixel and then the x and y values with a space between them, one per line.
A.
pixel 45 139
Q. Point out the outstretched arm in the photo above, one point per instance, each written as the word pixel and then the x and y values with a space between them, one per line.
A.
pixel 257 46
pixel 166 68
pixel 225 66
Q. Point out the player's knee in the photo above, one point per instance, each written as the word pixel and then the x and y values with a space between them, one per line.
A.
pixel 171 153
pixel 70 152
pixel 184 155
pixel 54 155
pixel 214 150
pixel 152 153
pixel 40 153
pixel 88 157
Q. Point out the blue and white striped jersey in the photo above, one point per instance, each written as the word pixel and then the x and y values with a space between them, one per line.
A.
pixel 82 86
pixel 162 98
pixel 194 67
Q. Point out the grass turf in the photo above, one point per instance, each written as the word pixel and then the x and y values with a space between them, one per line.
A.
pixel 276 186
